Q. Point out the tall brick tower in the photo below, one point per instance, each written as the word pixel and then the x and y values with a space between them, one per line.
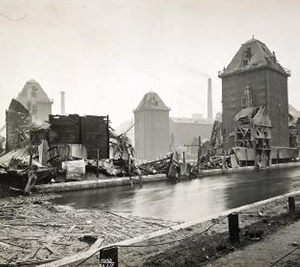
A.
pixel 151 127
pixel 255 68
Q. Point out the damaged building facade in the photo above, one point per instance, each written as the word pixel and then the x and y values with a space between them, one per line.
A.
pixel 18 122
pixel 32 106
pixel 256 120
pixel 49 144
pixel 91 132
pixel 255 78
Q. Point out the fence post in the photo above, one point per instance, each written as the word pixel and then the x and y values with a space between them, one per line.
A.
pixel 234 230
pixel 109 257
pixel 292 207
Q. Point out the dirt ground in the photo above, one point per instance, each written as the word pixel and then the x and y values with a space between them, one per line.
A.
pixel 282 248
pixel 206 246
pixel 34 231
pixel 204 243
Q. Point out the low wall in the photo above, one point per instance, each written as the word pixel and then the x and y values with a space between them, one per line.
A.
pixel 111 182
pixel 90 184
pixel 247 169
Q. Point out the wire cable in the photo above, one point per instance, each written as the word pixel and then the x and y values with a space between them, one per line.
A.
pixel 158 244
pixel 284 256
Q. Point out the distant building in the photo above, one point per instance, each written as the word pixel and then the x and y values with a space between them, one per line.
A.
pixel 34 98
pixel 151 129
pixel 255 71
pixel 186 131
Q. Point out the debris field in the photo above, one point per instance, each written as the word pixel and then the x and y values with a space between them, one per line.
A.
pixel 35 231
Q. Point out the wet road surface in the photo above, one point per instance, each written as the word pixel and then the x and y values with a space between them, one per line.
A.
pixel 188 200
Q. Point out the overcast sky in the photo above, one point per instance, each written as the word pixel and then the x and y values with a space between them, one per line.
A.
pixel 107 54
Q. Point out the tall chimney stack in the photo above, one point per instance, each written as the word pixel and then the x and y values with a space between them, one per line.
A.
pixel 209 101
pixel 62 103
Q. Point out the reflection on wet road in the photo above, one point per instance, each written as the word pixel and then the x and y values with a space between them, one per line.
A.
pixel 188 200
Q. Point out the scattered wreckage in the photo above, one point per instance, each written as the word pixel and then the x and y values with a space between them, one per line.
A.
pixel 68 147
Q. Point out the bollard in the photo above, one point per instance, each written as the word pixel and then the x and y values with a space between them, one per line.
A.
pixel 109 257
pixel 234 230
pixel 292 207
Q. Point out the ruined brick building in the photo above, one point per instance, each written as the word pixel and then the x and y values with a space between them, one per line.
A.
pixel 255 69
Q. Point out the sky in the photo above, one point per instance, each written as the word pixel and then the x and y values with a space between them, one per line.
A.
pixel 107 54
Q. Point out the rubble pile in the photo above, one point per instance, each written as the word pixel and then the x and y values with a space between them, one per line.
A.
pixel 35 231
pixel 64 149
pixel 15 169
pixel 214 162
pixel 156 166
pixel 123 162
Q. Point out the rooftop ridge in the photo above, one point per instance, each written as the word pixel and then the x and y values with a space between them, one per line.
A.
pixel 251 55
pixel 151 101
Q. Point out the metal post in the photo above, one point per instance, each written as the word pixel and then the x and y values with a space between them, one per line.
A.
pixel 108 135
pixel 292 207
pixel 30 149
pixel 255 155
pixel 199 156
pixel 30 160
pixel 97 162
pixel 233 225
pixel 199 149
pixel 183 157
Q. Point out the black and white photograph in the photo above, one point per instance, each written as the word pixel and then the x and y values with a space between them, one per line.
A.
pixel 149 133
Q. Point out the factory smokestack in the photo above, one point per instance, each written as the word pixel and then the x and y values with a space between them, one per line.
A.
pixel 209 100
pixel 62 103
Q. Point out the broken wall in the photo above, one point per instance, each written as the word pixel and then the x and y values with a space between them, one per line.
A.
pixel 90 131
pixel 95 135
pixel 18 121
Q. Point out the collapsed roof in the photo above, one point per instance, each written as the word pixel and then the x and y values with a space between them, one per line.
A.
pixel 257 115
